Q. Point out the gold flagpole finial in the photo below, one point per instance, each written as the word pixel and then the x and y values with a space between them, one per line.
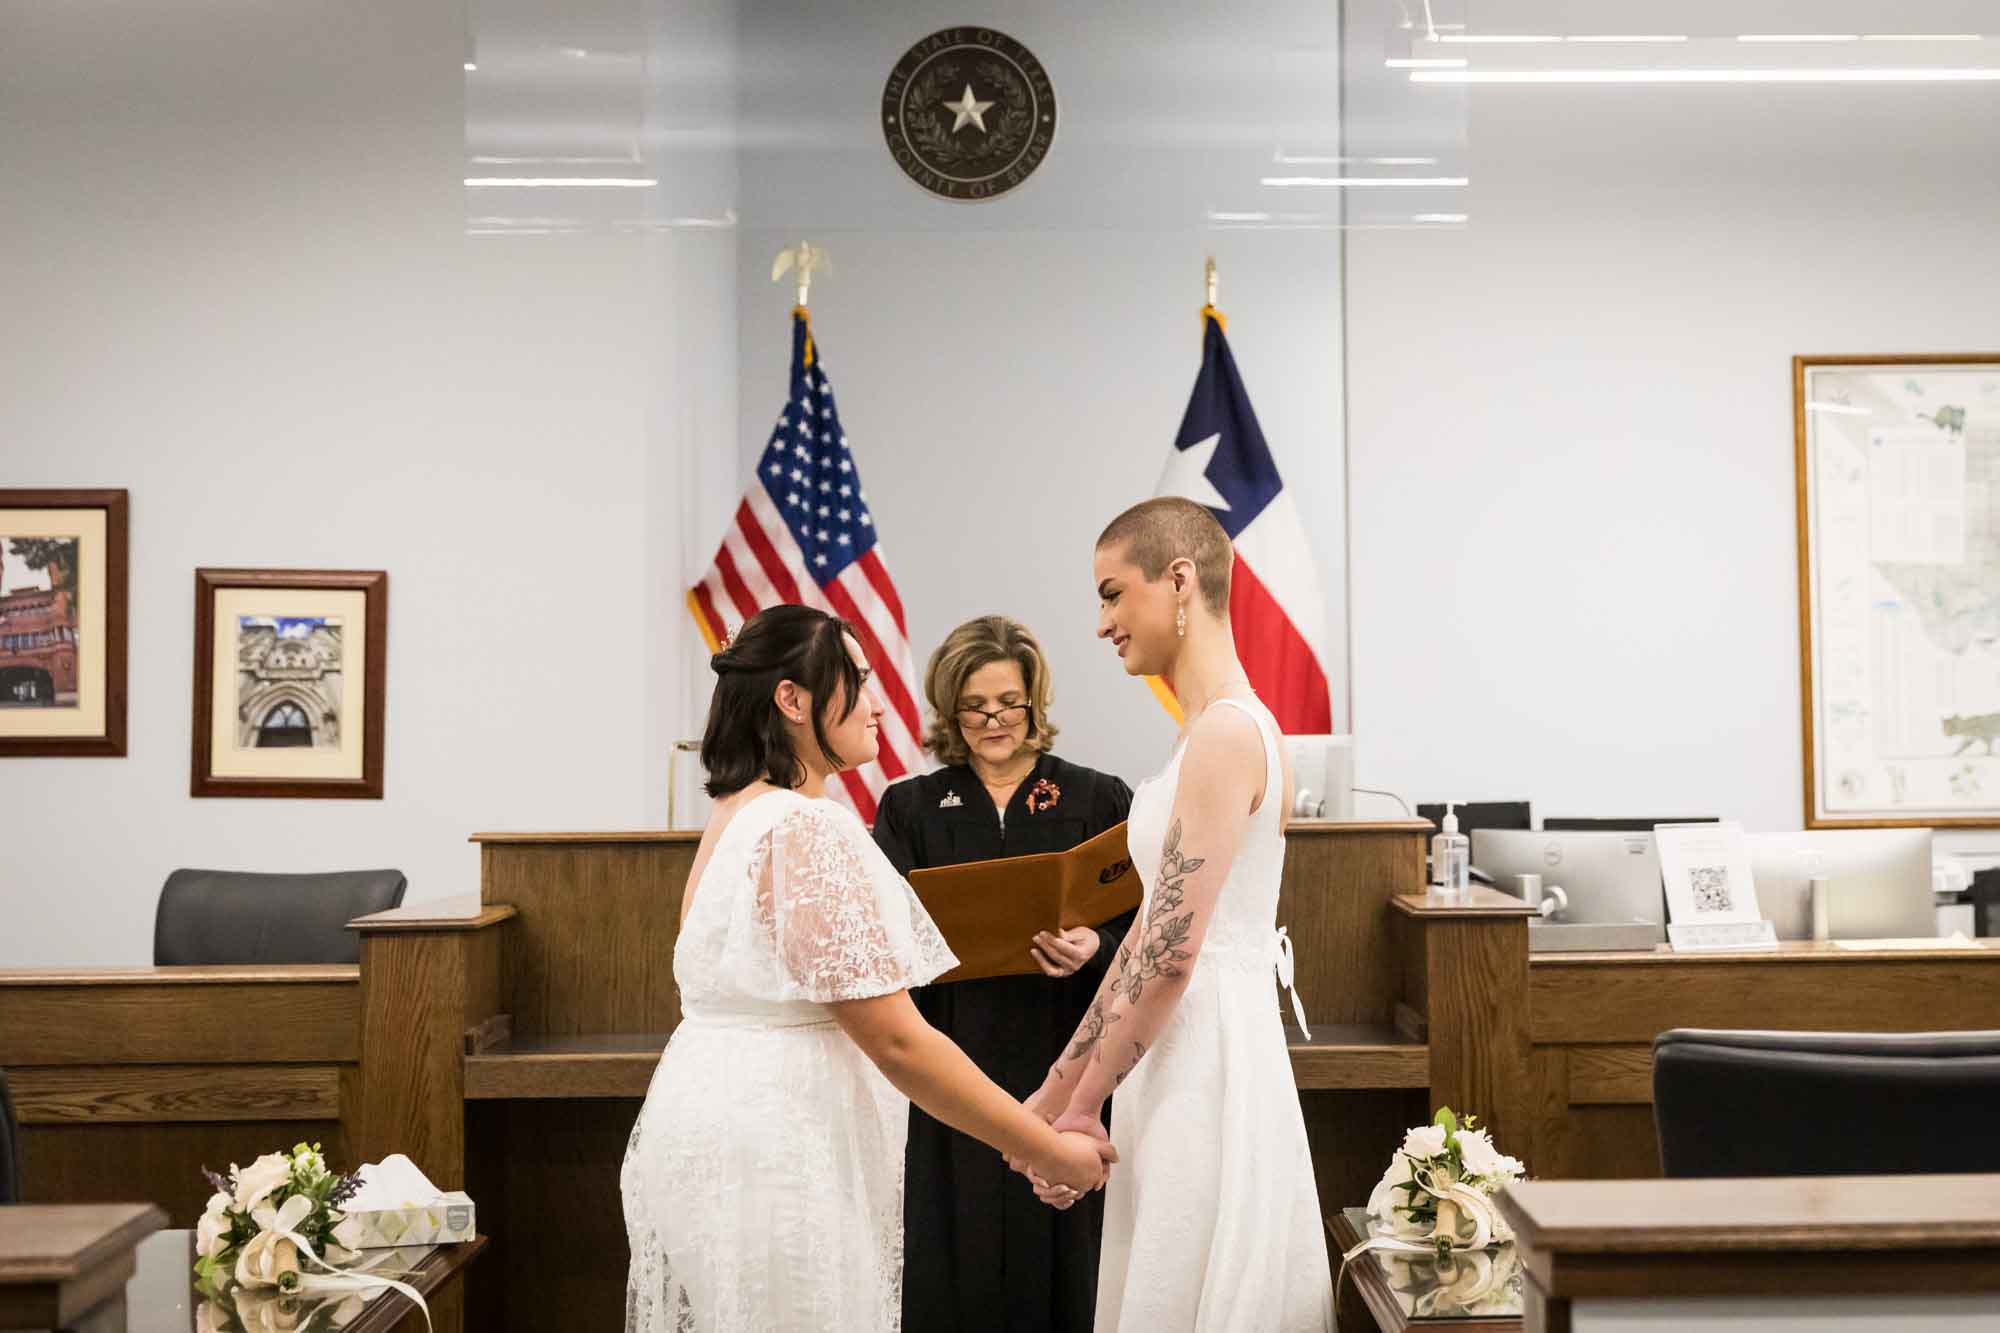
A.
pixel 1208 276
pixel 807 258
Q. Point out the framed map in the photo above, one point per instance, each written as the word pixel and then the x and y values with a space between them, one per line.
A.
pixel 1899 588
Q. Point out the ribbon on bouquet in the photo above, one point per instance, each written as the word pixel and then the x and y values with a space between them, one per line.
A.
pixel 333 1279
pixel 1285 979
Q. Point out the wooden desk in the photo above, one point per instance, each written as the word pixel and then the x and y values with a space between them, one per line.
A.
pixel 1598 1248
pixel 1592 1019
pixel 128 1081
pixel 65 1267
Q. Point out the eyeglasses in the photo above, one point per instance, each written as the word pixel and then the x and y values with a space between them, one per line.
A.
pixel 973 719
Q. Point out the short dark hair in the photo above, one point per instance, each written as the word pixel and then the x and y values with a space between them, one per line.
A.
pixel 746 738
pixel 1161 530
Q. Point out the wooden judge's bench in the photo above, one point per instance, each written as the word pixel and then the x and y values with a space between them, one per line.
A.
pixel 505 1043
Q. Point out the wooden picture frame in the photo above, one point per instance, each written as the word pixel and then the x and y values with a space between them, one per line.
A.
pixel 1896 457
pixel 65 594
pixel 275 689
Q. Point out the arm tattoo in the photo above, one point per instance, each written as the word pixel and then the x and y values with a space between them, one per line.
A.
pixel 1160 952
pixel 1138 1054
pixel 1092 1030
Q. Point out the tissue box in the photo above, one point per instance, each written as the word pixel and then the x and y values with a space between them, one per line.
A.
pixel 446 1218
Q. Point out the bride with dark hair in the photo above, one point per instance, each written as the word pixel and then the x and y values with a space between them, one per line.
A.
pixel 763 1186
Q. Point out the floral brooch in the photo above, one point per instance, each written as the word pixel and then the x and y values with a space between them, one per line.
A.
pixel 1043 796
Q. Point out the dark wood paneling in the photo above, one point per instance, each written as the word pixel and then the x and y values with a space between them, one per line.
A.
pixel 1352 1136
pixel 181 1016
pixel 1611 1075
pixel 549 1172
pixel 157 1163
pixel 1636 999
pixel 1478 1012
pixel 110 1094
pixel 1333 901
pixel 1609 1143
pixel 1359 1055
pixel 593 947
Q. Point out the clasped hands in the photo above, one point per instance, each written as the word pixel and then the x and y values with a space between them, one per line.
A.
pixel 1087 1155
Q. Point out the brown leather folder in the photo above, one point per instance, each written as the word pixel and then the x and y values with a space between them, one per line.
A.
pixel 990 911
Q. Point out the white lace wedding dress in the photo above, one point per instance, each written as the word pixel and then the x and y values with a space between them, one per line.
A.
pixel 764 1182
pixel 1211 1218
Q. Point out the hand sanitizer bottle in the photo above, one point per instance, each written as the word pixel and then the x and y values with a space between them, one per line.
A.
pixel 1451 860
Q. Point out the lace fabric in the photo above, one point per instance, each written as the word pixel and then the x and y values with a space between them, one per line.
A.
pixel 764 1178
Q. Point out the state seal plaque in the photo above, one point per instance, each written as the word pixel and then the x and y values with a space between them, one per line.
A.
pixel 969 113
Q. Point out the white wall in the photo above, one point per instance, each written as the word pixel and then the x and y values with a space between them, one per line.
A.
pixel 238 285
pixel 1575 568
pixel 1012 374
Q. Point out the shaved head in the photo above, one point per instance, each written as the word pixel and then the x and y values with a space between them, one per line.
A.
pixel 1154 533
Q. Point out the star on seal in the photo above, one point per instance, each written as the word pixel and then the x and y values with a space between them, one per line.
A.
pixel 968 113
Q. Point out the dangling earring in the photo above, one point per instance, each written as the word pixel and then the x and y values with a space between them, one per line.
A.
pixel 1180 622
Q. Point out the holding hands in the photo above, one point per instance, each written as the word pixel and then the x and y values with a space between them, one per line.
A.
pixel 1061 1184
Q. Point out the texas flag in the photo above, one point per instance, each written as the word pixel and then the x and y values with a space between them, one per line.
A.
pixel 1220 460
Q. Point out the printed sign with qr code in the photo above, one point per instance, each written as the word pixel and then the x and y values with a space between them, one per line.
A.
pixel 1711 888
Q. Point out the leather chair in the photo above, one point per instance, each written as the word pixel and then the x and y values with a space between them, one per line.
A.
pixel 222 916
pixel 1825 1103
pixel 10 1155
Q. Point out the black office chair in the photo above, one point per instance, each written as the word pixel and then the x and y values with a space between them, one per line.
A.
pixel 223 916
pixel 10 1153
pixel 1825 1103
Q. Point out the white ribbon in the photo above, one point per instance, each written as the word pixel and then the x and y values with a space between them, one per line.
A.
pixel 1285 979
pixel 337 1279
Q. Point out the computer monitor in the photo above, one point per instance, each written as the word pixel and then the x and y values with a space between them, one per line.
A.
pixel 1474 815
pixel 1880 882
pixel 1593 824
pixel 1610 878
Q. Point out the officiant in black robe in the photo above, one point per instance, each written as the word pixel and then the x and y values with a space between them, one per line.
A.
pixel 981 1254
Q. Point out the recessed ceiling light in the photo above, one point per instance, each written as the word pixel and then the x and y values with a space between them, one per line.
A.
pixel 1239 217
pixel 563 182
pixel 1922 37
pixel 1421 63
pixel 1979 74
pixel 1495 38
pixel 1799 37
pixel 1626 37
pixel 470 67
pixel 1363 181
pixel 1439 217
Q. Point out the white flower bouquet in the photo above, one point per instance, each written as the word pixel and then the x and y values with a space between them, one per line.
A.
pixel 268 1251
pixel 1438 1191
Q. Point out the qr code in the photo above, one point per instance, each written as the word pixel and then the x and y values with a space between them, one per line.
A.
pixel 1711 888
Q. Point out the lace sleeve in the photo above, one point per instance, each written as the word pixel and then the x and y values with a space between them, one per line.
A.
pixel 845 926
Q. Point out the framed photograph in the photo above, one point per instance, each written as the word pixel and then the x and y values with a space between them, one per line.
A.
pixel 64 570
pixel 290 669
pixel 1899 588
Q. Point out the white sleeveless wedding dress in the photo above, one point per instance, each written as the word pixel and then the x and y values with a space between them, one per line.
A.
pixel 1211 1217
pixel 763 1185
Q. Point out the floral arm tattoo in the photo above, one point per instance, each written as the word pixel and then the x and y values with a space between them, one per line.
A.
pixel 1092 1031
pixel 1160 952
pixel 1138 1054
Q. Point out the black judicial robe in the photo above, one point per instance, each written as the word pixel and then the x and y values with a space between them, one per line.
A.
pixel 981 1253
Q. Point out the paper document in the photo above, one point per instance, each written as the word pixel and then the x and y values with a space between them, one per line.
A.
pixel 1707 870
pixel 990 911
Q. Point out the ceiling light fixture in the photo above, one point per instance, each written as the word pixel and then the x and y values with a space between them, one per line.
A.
pixel 1421 181
pixel 563 182
pixel 1977 74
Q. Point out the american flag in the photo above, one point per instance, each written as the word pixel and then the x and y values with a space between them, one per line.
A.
pixel 1219 459
pixel 803 534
